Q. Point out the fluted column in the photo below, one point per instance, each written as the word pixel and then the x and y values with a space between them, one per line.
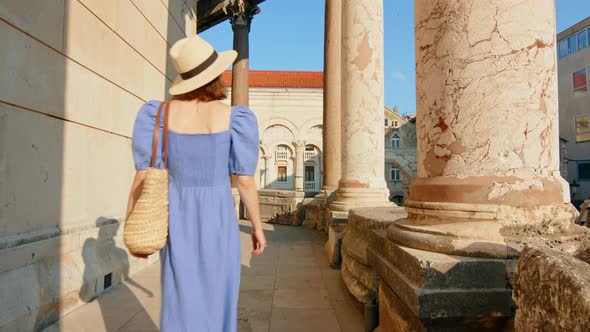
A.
pixel 488 145
pixel 362 181
pixel 241 19
pixel 332 87
pixel 298 163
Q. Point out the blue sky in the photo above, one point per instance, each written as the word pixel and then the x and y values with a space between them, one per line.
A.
pixel 289 35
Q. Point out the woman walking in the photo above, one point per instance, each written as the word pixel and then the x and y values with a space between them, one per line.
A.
pixel 207 140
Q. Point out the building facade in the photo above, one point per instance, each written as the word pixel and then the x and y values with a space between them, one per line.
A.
pixel 574 105
pixel 75 74
pixel 289 107
pixel 400 154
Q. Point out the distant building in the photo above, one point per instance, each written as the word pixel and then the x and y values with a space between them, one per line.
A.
pixel 574 104
pixel 400 154
pixel 289 107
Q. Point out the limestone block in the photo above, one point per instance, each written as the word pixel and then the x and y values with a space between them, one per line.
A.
pixel 62 273
pixel 281 206
pixel 177 9
pixel 42 19
pixel 157 14
pixel 314 213
pixel 551 291
pixel 363 273
pixel 333 245
pixel 356 287
pixel 451 293
pixel 94 45
pixel 128 22
pixel 31 159
pixel 42 80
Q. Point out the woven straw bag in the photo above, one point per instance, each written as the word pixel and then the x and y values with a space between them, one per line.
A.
pixel 146 228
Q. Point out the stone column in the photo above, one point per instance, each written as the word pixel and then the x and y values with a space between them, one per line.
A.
pixel 298 164
pixel 241 19
pixel 362 147
pixel 332 86
pixel 488 179
pixel 488 144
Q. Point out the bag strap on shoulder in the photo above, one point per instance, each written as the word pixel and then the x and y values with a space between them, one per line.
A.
pixel 163 106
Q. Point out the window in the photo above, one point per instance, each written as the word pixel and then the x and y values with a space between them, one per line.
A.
pixel 580 82
pixel 393 123
pixel 582 128
pixel 309 147
pixel 395 141
pixel 386 122
pixel 582 40
pixel 584 171
pixel 395 175
pixel 309 174
pixel 563 48
pixel 282 174
pixel 571 45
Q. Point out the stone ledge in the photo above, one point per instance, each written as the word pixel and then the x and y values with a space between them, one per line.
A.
pixel 356 287
pixel 429 270
pixel 552 291
pixel 456 293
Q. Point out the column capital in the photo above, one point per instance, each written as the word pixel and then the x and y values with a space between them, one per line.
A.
pixel 299 143
pixel 240 13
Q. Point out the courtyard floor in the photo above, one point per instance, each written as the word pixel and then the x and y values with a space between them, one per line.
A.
pixel 288 288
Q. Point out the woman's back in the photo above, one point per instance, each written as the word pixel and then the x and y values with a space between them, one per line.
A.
pixel 200 154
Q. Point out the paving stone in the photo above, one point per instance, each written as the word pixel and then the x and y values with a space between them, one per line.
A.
pixel 289 288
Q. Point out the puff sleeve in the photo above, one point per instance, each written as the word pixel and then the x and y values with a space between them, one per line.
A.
pixel 244 148
pixel 143 133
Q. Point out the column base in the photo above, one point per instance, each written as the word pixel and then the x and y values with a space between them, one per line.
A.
pixel 477 230
pixel 348 198
pixel 425 291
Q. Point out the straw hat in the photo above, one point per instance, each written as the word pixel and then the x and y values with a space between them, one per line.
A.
pixel 197 63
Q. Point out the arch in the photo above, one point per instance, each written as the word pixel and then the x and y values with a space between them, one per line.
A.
pixel 267 123
pixel 309 125
pixel 397 198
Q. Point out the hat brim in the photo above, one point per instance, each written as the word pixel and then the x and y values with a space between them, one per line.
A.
pixel 225 59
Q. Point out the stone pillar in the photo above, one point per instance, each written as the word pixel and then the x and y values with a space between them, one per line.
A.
pixel 332 86
pixel 362 181
pixel 241 19
pixel 488 167
pixel 488 144
pixel 298 164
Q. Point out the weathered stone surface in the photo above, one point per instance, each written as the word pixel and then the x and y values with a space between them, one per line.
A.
pixel 314 212
pixel 363 273
pixel 551 291
pixel 356 287
pixel 333 245
pixel 281 206
pixel 357 237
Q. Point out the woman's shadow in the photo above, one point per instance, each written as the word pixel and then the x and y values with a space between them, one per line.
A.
pixel 105 267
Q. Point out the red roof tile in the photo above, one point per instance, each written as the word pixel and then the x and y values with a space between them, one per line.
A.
pixel 281 79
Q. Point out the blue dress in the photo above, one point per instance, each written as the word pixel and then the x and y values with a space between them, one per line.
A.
pixel 202 259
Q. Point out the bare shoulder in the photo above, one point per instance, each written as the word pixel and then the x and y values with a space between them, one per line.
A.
pixel 218 105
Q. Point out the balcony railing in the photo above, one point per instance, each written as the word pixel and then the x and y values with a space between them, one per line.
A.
pixel 309 186
pixel 282 155
pixel 309 156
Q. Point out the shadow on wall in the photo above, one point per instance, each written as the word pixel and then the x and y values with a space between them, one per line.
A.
pixel 102 257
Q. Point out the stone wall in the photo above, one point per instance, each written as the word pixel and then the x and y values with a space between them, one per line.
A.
pixel 282 206
pixel 551 291
pixel 75 72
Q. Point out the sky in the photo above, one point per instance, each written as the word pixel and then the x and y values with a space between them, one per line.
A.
pixel 289 35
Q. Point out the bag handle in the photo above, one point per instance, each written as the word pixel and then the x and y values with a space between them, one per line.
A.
pixel 157 135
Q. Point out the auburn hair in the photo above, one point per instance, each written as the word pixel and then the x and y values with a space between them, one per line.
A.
pixel 214 90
